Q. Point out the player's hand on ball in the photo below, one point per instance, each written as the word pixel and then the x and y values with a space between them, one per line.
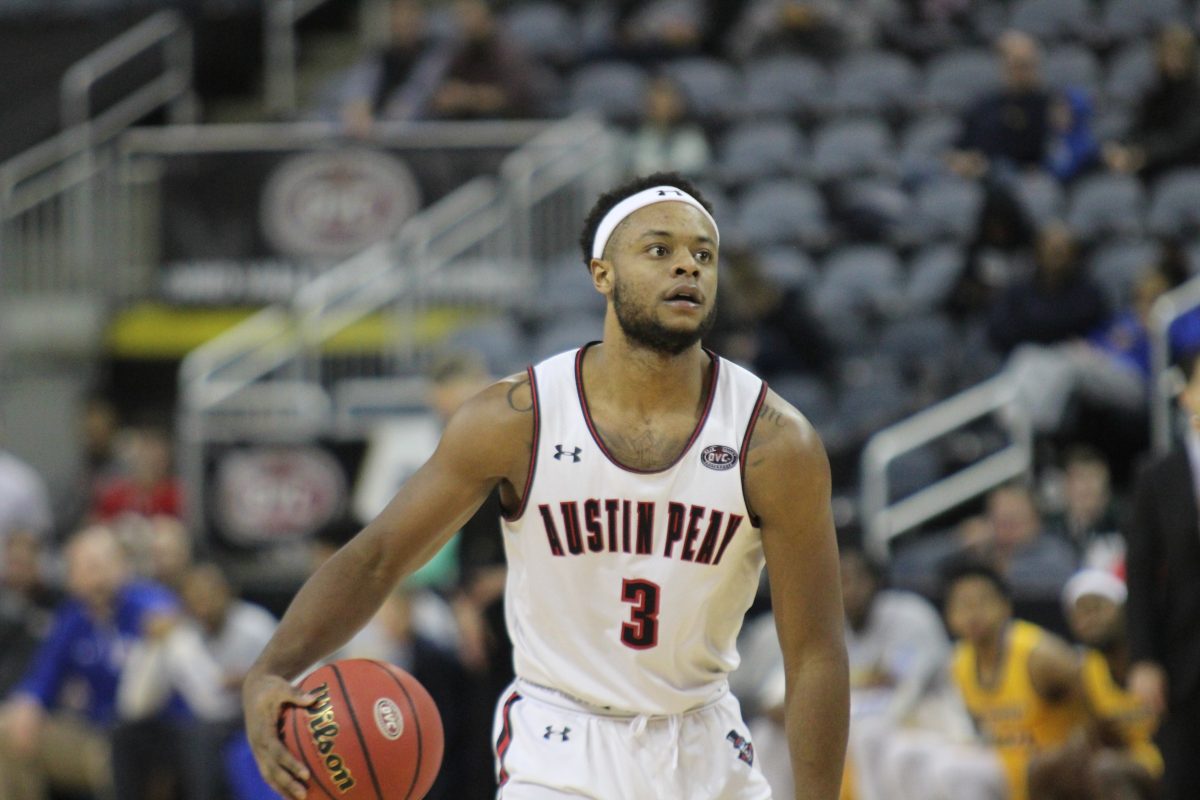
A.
pixel 263 699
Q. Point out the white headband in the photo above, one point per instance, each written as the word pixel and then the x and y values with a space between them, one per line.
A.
pixel 1094 581
pixel 655 194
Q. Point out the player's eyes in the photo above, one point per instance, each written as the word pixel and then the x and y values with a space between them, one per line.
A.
pixel 704 256
pixel 657 250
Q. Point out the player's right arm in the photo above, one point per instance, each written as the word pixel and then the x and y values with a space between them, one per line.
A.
pixel 487 443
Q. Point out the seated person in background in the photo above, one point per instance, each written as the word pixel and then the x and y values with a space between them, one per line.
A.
pixel 26 606
pixel 1090 517
pixel 57 720
pixel 808 27
pixel 1073 148
pixel 1007 129
pixel 1119 760
pixel 999 255
pixel 202 659
pixel 1058 302
pixel 1019 683
pixel 1166 128
pixel 666 140
pixel 151 487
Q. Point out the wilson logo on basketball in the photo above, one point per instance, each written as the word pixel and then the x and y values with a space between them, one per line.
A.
pixel 324 729
pixel 388 718
pixel 718 457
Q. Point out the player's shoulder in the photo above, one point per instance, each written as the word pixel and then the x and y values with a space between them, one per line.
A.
pixel 499 416
pixel 781 431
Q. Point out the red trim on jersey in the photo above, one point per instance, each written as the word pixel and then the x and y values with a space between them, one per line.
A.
pixel 758 404
pixel 587 415
pixel 505 740
pixel 537 425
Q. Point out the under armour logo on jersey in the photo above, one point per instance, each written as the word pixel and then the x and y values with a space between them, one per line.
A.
pixel 562 734
pixel 745 750
pixel 573 454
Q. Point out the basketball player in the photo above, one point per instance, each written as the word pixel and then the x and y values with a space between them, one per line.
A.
pixel 644 482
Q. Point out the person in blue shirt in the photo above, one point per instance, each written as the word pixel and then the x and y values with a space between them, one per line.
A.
pixel 57 719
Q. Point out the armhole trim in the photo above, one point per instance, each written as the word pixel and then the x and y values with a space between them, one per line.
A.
pixel 533 453
pixel 758 404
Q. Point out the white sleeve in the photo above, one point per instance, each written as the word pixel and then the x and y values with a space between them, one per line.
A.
pixel 144 686
pixel 197 676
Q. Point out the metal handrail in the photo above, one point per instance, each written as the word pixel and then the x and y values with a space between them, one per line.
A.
pixel 1166 309
pixel 884 519
pixel 280 52
pixel 166 28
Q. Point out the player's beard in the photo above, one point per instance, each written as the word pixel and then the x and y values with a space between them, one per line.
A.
pixel 641 328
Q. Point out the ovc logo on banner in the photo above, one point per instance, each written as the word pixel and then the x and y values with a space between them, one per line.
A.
pixel 275 494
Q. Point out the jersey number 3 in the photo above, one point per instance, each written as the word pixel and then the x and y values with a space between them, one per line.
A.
pixel 641 631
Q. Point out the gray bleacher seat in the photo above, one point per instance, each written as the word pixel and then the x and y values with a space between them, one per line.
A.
pixel 948 207
pixel 924 143
pixel 614 88
pixel 932 273
pixel 499 342
pixel 875 398
pixel 1106 205
pixel 783 212
pixel 1053 19
pixel 844 148
pixel 784 86
pixel 1040 194
pixel 920 343
pixel 956 79
pixel 874 82
pixel 1068 66
pixel 858 278
pixel 787 267
pixel 1131 72
pixel 565 334
pixel 811 396
pixel 877 209
pixel 1115 266
pixel 545 30
pixel 712 87
pixel 1175 204
pixel 1131 19
pixel 755 150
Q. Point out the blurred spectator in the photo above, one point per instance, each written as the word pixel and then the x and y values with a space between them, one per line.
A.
pixel 58 718
pixel 924 27
pixel 1166 128
pixel 1073 148
pixel 1118 760
pixel 1090 517
pixel 98 426
pixel 24 498
pixel 397 82
pixel 1008 128
pixel 653 32
pixel 487 75
pixel 998 256
pixel 770 27
pixel 1059 302
pixel 1019 683
pixel 1163 568
pixel 150 488
pixel 1108 369
pixel 26 606
pixel 203 660
pixel 666 140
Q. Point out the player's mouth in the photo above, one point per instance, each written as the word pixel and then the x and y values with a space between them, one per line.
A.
pixel 685 297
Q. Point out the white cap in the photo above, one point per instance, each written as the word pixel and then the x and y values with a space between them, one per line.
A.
pixel 1094 581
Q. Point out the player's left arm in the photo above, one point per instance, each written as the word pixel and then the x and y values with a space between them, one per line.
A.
pixel 788 488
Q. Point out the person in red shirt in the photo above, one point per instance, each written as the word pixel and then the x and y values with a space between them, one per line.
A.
pixel 150 488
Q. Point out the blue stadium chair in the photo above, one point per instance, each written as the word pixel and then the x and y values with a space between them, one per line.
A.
pixel 1131 72
pixel 712 87
pixel 1115 266
pixel 856 279
pixel 783 212
pixel 933 272
pixel 1106 205
pixel 924 143
pixel 1175 204
pixel 614 88
pixel 845 148
pixel 754 151
pixel 784 86
pixel 1053 19
pixel 1041 195
pixel 874 82
pixel 1068 66
pixel 545 30
pixel 948 207
pixel 956 79
pixel 1124 20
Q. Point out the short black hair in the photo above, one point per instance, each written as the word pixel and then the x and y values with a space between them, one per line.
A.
pixel 871 565
pixel 961 569
pixel 607 201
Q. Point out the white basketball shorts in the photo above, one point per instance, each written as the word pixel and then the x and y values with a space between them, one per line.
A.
pixel 550 747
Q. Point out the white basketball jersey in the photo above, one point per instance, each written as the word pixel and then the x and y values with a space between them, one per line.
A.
pixel 627 588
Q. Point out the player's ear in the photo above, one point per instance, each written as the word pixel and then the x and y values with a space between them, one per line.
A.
pixel 602 275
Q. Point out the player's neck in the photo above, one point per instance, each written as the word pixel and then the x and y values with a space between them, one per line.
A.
pixel 643 379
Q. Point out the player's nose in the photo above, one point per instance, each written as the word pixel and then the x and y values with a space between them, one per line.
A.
pixel 688 266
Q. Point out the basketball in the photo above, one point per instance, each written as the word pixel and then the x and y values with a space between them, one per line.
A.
pixel 374 732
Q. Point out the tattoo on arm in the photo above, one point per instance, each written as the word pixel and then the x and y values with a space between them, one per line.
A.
pixel 520 404
pixel 770 420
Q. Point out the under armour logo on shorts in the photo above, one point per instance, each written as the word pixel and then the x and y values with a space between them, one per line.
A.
pixel 562 733
pixel 745 750
pixel 574 454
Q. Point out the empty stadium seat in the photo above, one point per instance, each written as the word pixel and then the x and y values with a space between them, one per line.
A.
pixel 1106 205
pixel 858 278
pixel 1131 72
pixel 545 30
pixel 1053 19
pixel 712 87
pixel 956 79
pixel 1040 194
pixel 1115 266
pixel 933 272
pixel 787 267
pixel 844 148
pixel 1070 66
pixel 782 212
pixel 1175 204
pixel 757 150
pixel 785 86
pixel 924 143
pixel 874 82
pixel 948 207
pixel 1131 19
pixel 613 88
